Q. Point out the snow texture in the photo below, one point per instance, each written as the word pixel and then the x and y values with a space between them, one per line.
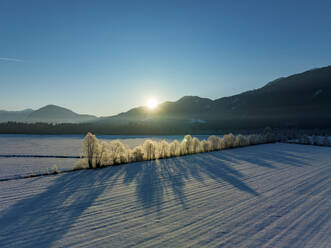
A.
pixel 274 195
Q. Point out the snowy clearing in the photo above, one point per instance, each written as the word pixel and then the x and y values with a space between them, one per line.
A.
pixel 275 195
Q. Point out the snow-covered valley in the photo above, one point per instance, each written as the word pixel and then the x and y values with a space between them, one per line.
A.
pixel 275 195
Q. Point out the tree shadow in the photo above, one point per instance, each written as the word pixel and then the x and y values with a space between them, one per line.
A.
pixel 42 219
pixel 154 179
pixel 211 166
pixel 46 217
pixel 266 156
pixel 149 188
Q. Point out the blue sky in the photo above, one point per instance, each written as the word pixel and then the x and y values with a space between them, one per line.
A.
pixel 105 57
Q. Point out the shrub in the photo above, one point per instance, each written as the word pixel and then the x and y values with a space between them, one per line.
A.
pixel 55 169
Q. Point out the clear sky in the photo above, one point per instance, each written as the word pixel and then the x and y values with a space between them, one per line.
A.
pixel 105 57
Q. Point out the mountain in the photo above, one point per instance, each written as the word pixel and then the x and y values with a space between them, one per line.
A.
pixel 302 99
pixel 47 114
pixel 56 114
pixel 14 115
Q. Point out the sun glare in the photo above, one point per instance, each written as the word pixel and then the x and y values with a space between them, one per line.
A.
pixel 152 104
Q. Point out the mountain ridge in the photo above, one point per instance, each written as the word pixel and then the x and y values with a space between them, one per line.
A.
pixel 48 114
pixel 295 99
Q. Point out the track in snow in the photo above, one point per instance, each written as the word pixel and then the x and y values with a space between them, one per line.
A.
pixel 276 195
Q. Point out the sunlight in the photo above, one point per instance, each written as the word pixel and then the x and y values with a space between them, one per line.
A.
pixel 152 103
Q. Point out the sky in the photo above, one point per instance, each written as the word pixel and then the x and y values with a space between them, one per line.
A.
pixel 105 57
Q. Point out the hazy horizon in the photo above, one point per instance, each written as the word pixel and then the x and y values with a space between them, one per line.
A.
pixel 106 57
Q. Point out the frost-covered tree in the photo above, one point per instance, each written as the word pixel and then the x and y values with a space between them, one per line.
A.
pixel 120 152
pixel 96 154
pixel 227 141
pixel 186 145
pixel 163 149
pixel 252 139
pixel 214 143
pixel 196 146
pixel 90 148
pixel 138 154
pixel 240 141
pixel 174 148
pixel 205 146
pixel 149 150
pixel 100 154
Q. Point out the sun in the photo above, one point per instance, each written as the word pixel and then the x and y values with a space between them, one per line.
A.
pixel 152 104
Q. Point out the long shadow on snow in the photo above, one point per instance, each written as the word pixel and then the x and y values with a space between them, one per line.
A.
pixel 44 218
pixel 154 179
pixel 211 166
pixel 267 155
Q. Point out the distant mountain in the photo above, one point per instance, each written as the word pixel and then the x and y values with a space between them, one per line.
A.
pixel 300 99
pixel 187 107
pixel 18 116
pixel 47 114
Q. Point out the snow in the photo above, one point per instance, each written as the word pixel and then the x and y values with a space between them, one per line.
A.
pixel 55 145
pixel 68 145
pixel 18 167
pixel 275 195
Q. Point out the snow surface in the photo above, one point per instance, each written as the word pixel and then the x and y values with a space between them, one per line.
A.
pixel 275 195
pixel 18 167
pixel 60 145
pixel 68 145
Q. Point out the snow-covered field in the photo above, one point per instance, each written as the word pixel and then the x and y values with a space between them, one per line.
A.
pixel 18 167
pixel 275 195
pixel 60 145
pixel 67 145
